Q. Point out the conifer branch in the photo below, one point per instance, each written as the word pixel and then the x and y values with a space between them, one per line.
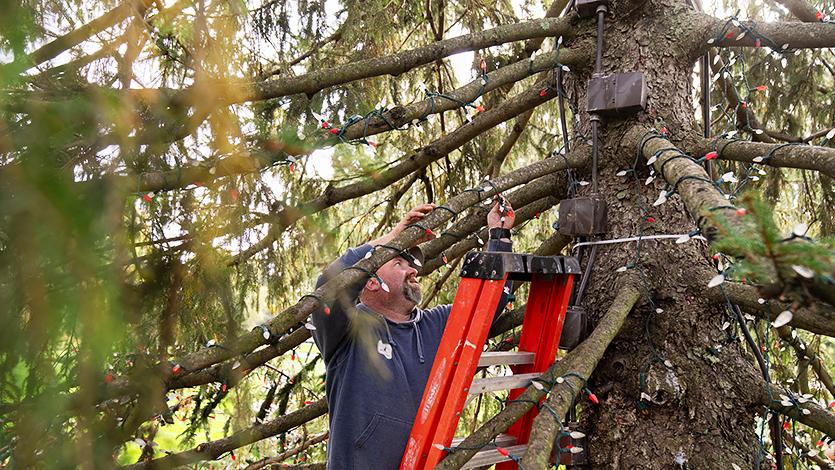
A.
pixel 547 425
pixel 802 10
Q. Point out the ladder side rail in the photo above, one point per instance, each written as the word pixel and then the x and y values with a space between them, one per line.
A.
pixel 543 335
pixel 471 351
pixel 440 376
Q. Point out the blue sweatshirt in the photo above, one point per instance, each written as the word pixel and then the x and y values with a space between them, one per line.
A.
pixel 376 372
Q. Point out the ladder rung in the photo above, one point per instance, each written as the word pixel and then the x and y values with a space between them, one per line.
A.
pixel 492 384
pixel 503 440
pixel 491 456
pixel 505 358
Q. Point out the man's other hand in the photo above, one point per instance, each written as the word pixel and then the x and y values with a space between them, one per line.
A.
pixel 501 215
pixel 412 217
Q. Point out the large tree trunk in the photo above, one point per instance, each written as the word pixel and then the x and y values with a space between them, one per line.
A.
pixel 674 386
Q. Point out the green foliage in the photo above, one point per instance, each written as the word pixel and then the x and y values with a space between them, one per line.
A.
pixel 765 254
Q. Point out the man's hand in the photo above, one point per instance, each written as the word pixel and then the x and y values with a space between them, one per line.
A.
pixel 412 217
pixel 501 215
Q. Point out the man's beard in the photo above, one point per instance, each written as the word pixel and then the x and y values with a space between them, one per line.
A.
pixel 412 292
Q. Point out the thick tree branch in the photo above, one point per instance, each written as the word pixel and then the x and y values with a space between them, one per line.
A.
pixel 311 441
pixel 818 418
pixel 818 319
pixel 530 192
pixel 690 180
pixel 802 10
pixel 58 45
pixel 796 34
pixel 272 152
pixel 582 360
pixel 290 317
pixel 468 244
pixel 805 157
pixel 395 64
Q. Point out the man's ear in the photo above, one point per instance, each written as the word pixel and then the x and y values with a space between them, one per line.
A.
pixel 372 285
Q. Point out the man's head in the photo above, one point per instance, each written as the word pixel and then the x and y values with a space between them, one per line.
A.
pixel 402 290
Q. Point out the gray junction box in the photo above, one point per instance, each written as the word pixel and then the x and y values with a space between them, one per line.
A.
pixel 617 94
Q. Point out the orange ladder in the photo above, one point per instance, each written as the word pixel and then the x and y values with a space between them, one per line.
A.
pixel 460 353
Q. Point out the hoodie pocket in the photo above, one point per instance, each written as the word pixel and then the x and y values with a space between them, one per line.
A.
pixel 381 444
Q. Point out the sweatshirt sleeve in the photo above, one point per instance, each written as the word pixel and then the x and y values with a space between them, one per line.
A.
pixel 332 328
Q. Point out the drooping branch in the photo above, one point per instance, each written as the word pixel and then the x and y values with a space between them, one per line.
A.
pixel 395 64
pixel 214 449
pixel 806 157
pixel 818 319
pixel 582 360
pixel 803 351
pixel 818 418
pixel 746 119
pixel 432 152
pixel 60 44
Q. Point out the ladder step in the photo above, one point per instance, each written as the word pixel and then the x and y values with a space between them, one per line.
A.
pixel 502 440
pixel 492 384
pixel 491 456
pixel 505 358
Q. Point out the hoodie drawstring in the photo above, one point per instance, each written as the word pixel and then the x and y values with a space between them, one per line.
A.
pixel 417 335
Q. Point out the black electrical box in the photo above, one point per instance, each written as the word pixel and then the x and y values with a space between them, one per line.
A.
pixel 588 8
pixel 575 328
pixel 583 216
pixel 618 93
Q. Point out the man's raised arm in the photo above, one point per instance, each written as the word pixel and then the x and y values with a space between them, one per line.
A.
pixel 333 322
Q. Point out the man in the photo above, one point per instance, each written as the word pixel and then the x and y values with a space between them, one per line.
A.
pixel 379 352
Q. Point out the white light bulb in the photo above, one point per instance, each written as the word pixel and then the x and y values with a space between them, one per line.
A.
pixel 782 319
pixel 717 279
pixel 803 271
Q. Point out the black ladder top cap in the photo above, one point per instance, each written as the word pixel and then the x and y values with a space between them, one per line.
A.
pixel 518 266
